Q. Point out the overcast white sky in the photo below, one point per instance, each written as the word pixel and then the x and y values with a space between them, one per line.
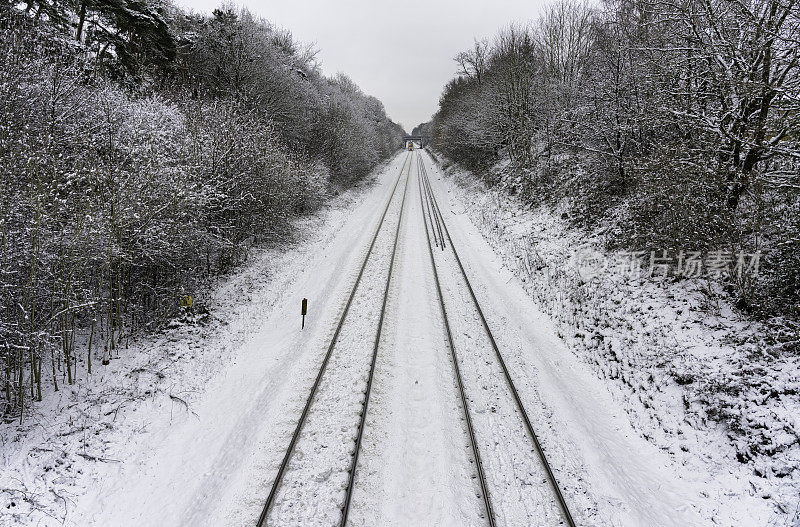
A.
pixel 401 51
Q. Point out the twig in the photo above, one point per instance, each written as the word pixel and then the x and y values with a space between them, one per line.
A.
pixel 96 458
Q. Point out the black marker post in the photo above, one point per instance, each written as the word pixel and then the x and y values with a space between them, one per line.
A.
pixel 303 312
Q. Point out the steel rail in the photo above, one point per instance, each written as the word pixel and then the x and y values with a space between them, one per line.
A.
pixel 554 483
pixel 436 213
pixel 427 209
pixel 429 195
pixel 459 381
pixel 354 462
pixel 295 436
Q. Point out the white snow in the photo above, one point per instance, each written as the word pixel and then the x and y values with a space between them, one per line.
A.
pixel 621 342
pixel 189 426
pixel 183 418
pixel 416 467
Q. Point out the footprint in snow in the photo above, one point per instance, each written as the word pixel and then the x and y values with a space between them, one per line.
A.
pixel 323 476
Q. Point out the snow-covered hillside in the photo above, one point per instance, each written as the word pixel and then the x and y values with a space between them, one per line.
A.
pixel 620 376
pixel 707 386
pixel 146 413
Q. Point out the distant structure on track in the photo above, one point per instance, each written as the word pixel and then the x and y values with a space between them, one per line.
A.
pixel 418 140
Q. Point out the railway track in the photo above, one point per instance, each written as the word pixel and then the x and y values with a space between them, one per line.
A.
pixel 437 236
pixel 278 482
pixel 440 234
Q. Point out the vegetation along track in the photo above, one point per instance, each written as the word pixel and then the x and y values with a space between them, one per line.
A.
pixel 439 231
pixel 298 432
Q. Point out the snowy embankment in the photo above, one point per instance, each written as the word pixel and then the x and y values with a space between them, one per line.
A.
pixel 696 379
pixel 64 464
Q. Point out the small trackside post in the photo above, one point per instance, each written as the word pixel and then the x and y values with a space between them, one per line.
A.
pixel 303 311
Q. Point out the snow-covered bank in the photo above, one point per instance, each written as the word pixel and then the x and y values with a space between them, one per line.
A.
pixel 121 444
pixel 190 427
pixel 696 380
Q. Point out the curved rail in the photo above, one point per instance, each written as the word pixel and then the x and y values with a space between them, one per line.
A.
pixel 296 435
pixel 432 214
pixel 554 483
pixel 464 405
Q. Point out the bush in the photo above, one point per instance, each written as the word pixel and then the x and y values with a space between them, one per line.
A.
pixel 628 116
pixel 125 186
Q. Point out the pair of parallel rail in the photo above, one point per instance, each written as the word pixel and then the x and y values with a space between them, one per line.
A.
pixel 436 230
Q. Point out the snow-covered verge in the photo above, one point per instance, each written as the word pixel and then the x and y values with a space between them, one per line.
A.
pixel 714 390
pixel 61 451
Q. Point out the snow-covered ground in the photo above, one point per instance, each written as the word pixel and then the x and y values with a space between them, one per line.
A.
pixel 670 355
pixel 610 475
pixel 415 467
pixel 188 427
pixel 169 430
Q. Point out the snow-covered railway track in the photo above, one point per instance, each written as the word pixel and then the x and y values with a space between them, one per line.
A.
pixel 322 455
pixel 510 478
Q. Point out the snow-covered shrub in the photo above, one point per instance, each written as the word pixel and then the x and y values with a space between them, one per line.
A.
pixel 118 200
pixel 636 128
pixel 672 207
pixel 695 377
